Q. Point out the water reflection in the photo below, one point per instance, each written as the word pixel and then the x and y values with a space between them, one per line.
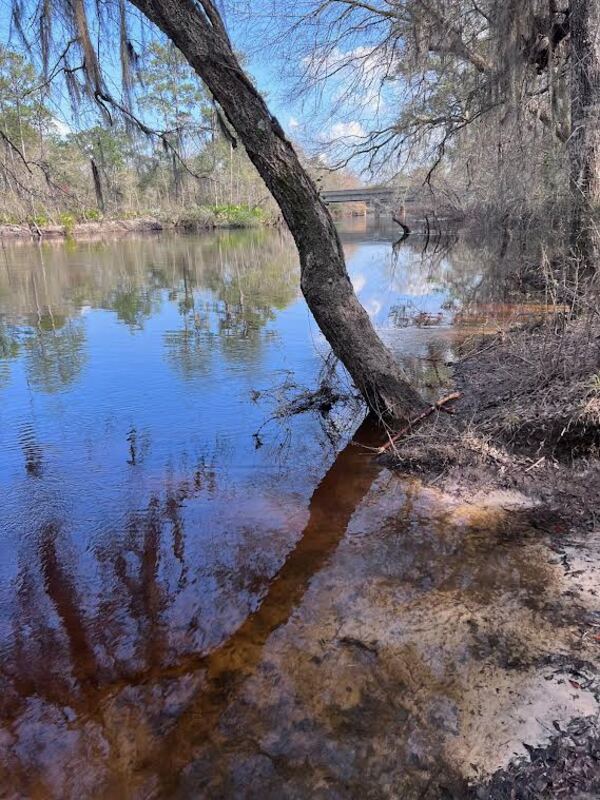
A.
pixel 173 607
pixel 90 659
pixel 366 659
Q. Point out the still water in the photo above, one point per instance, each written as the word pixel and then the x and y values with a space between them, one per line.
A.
pixel 201 596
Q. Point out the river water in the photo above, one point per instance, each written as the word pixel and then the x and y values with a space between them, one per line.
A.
pixel 204 596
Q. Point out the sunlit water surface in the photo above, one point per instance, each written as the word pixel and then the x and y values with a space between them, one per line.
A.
pixel 161 525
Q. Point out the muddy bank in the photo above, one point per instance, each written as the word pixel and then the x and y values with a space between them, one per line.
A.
pixel 528 421
pixel 567 768
pixel 524 439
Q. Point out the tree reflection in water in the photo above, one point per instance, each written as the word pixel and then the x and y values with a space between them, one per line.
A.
pixel 150 550
pixel 84 665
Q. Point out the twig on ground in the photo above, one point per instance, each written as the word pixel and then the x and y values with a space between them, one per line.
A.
pixel 439 406
pixel 537 464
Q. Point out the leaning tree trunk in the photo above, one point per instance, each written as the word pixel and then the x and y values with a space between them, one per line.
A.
pixel 197 30
pixel 584 143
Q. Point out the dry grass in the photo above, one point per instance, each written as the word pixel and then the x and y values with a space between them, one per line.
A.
pixel 537 391
pixel 529 418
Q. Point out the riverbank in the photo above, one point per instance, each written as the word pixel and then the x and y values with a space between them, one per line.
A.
pixel 194 220
pixel 525 439
pixel 84 230
pixel 528 419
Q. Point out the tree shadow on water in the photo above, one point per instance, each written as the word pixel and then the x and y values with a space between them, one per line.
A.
pixel 90 689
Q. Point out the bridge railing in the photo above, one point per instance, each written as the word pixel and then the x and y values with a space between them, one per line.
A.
pixel 365 195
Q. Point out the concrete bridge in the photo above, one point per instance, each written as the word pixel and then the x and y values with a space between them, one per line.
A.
pixel 379 198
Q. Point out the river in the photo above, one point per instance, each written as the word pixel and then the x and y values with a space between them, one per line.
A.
pixel 202 595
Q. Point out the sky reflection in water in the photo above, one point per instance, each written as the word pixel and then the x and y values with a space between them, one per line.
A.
pixel 141 524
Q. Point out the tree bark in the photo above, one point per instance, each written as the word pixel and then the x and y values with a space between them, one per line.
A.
pixel 197 30
pixel 97 185
pixel 584 142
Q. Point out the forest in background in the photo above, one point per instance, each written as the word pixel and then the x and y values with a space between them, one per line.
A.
pixel 487 107
pixel 186 168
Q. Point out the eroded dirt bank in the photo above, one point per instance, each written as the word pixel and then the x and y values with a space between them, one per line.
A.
pixel 84 230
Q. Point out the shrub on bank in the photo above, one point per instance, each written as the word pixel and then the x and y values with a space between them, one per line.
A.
pixel 240 215
pixel 223 216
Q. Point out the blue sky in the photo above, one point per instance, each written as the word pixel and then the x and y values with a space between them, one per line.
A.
pixel 275 60
pixel 348 104
pixel 266 74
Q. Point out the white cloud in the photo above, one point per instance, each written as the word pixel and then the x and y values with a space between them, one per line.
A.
pixel 373 307
pixel 359 282
pixel 293 123
pixel 61 127
pixel 344 130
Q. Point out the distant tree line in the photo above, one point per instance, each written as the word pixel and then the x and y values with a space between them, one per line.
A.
pixel 176 156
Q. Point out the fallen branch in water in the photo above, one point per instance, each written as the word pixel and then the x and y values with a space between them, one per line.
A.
pixel 439 406
pixel 404 226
